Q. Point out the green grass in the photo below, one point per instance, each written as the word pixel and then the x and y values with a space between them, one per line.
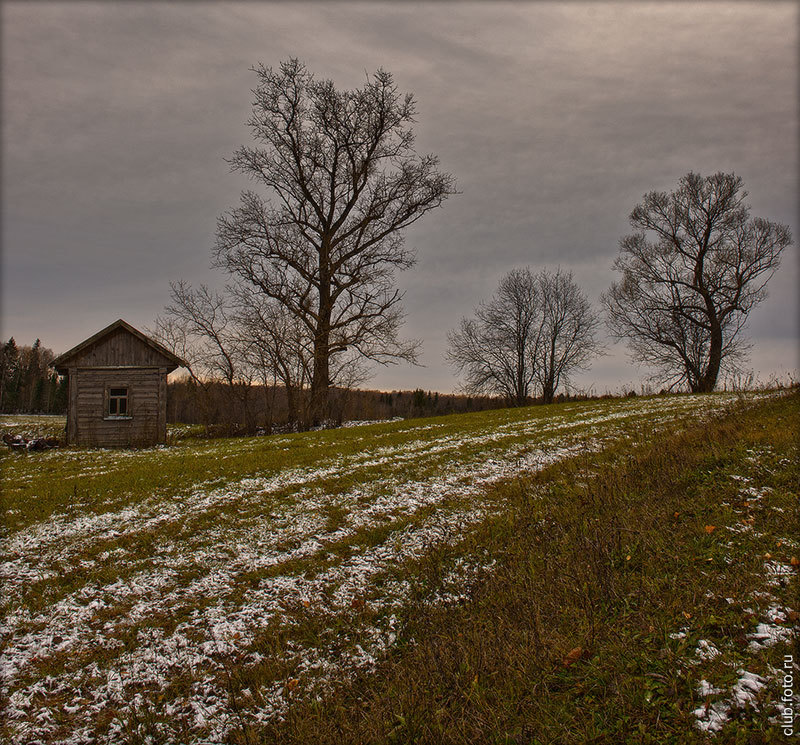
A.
pixel 76 481
pixel 609 568
pixel 280 565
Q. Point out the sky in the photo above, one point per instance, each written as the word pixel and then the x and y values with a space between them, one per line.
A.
pixel 555 120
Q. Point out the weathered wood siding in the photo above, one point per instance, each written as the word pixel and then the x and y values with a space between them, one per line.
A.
pixel 88 422
pixel 118 348
pixel 118 356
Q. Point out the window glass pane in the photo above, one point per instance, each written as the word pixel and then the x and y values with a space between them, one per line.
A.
pixel 117 401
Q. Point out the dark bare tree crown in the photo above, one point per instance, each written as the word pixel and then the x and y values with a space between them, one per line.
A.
pixel 537 329
pixel 342 182
pixel 691 272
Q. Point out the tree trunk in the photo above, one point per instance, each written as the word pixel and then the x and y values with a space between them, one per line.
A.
pixel 247 409
pixel 320 381
pixel 708 380
pixel 320 389
pixel 291 405
pixel 549 388
pixel 521 392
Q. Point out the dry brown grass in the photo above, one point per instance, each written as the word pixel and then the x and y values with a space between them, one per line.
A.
pixel 598 560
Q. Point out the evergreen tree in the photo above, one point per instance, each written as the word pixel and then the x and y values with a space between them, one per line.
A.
pixel 9 376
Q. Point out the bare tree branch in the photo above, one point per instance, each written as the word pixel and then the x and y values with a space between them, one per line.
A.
pixel 536 328
pixel 343 182
pixel 683 298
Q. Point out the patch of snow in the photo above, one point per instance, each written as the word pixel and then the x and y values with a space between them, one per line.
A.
pixel 712 717
pixel 363 422
pixel 706 689
pixel 747 688
pixel 706 650
pixel 768 635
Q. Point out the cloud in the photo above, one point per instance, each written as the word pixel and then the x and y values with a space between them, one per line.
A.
pixel 555 119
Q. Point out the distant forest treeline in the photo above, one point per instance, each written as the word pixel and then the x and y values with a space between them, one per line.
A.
pixel 246 408
pixel 28 385
pixel 27 382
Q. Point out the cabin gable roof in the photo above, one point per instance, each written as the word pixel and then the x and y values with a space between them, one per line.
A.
pixel 118 345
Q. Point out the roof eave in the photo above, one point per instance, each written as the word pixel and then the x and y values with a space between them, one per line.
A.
pixel 60 362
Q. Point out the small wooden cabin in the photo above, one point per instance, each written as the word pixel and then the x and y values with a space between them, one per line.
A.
pixel 117 388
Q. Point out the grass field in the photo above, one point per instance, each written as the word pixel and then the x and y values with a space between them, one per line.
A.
pixel 600 571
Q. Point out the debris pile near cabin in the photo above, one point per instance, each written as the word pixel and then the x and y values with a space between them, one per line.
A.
pixel 23 442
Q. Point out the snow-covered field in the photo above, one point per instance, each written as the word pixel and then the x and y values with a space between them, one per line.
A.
pixel 205 605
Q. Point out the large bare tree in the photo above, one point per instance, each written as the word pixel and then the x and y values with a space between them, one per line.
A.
pixel 693 269
pixel 342 181
pixel 567 332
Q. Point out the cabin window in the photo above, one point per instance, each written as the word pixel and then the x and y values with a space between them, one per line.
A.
pixel 118 402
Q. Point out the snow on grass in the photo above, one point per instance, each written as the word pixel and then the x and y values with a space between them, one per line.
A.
pixel 363 422
pixel 706 650
pixel 745 692
pixel 705 689
pixel 774 625
pixel 231 624
pixel 775 630
pixel 164 596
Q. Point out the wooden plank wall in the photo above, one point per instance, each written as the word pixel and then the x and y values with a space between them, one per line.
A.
pixel 119 348
pixel 72 406
pixel 147 425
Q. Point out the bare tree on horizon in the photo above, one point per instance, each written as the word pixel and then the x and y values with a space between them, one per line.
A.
pixel 202 327
pixel 343 180
pixel 494 351
pixel 685 291
pixel 567 336
pixel 537 328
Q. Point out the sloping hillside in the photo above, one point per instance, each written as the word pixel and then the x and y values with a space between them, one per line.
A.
pixel 201 592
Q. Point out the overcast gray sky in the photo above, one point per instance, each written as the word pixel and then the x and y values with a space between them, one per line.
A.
pixel 554 118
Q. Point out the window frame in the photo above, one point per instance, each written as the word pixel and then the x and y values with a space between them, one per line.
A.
pixel 108 398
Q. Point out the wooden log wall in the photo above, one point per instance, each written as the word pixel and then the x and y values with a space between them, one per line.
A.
pixel 89 422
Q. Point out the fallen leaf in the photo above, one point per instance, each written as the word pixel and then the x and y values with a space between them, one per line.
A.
pixel 686 615
pixel 573 656
pixel 794 561
pixel 628 557
pixel 292 684
pixel 306 603
pixel 710 528
pixel 767 556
